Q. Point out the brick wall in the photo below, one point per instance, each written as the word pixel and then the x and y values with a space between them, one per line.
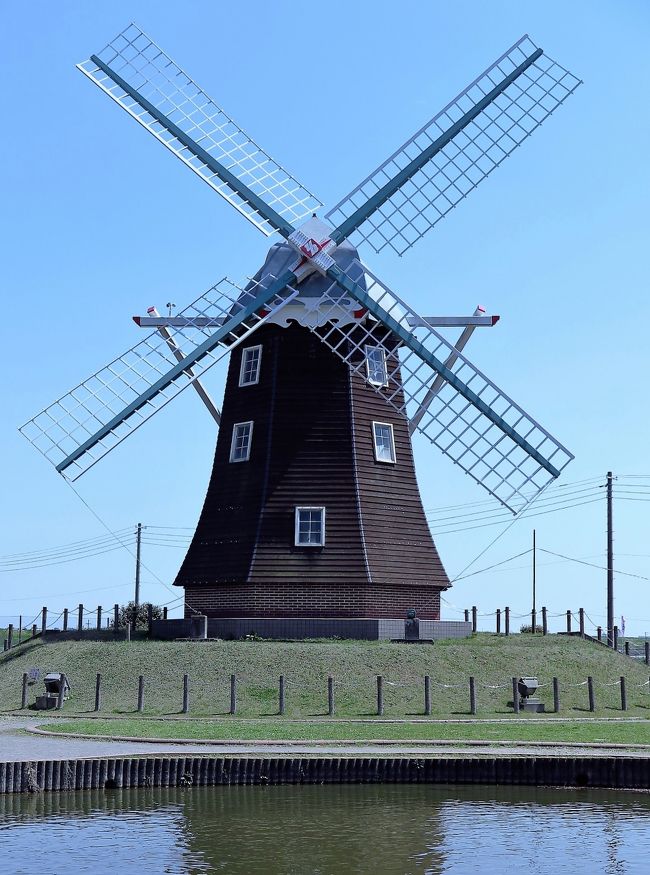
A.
pixel 275 599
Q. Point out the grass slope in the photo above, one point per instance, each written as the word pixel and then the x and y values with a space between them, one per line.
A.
pixel 354 665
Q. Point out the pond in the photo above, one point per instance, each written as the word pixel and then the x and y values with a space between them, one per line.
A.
pixel 289 830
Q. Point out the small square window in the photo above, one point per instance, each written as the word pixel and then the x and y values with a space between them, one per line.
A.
pixel 310 527
pixel 382 433
pixel 240 445
pixel 376 365
pixel 249 371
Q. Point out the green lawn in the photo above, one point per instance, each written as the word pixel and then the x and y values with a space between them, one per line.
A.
pixel 354 666
pixel 280 729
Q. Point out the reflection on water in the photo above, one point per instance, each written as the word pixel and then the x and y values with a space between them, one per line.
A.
pixel 321 830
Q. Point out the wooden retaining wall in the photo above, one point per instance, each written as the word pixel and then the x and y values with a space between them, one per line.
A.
pixel 172 771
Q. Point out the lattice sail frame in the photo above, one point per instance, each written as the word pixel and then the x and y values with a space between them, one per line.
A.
pixel 82 426
pixel 451 422
pixel 467 159
pixel 155 76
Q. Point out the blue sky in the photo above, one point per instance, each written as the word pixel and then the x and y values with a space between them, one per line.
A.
pixel 99 222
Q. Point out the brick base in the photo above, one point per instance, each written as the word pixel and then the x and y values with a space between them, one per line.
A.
pixel 312 600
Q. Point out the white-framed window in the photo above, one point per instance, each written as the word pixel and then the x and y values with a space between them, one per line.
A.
pixel 240 445
pixel 384 441
pixel 249 371
pixel 376 368
pixel 310 527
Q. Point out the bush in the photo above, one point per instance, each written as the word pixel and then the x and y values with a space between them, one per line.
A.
pixel 127 614
pixel 528 628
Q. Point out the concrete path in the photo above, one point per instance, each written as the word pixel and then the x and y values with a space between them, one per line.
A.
pixel 16 745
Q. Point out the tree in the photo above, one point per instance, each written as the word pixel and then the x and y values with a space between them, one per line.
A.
pixel 128 614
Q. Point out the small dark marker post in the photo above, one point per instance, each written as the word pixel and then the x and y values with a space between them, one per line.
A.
pixel 427 695
pixel 44 619
pixel 568 621
pixel 186 694
pixel 98 692
pixel 466 615
pixel 556 696
pixel 623 694
pixel 599 633
pixel 380 695
pixel 581 615
pixel 34 630
pixel 544 622
pixel 472 695
pixel 23 698
pixel 65 619
pixel 80 618
pixel 627 648
pixel 330 696
pixel 498 621
pixel 164 613
pixel 515 696
pixel 141 694
pixel 590 689
pixel 99 617
pixel 116 618
pixel 474 618
pixel 507 612
pixel 233 693
pixel 281 695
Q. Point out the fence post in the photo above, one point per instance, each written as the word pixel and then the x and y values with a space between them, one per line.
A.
pixel 556 696
pixel 599 633
pixel 65 619
pixel 141 693
pixel 544 622
pixel 515 696
pixel 616 638
pixel 498 621
pixel 466 615
pixel 116 618
pixel 330 696
pixel 4 645
pixel 34 630
pixel 507 620
pixel 472 695
pixel 98 692
pixel 23 697
pixel 233 693
pixel 581 614
pixel 474 617
pixel 80 618
pixel 164 613
pixel 10 636
pixel 20 628
pixel 150 618
pixel 590 690
pixel 99 617
pixel 623 694
pixel 281 695
pixel 44 619
pixel 533 621
pixel 380 695
pixel 186 694
pixel 647 652
pixel 627 648
pixel 427 695
pixel 568 621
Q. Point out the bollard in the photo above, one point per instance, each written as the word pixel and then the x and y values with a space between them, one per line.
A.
pixel 23 697
pixel 568 621
pixel 647 652
pixel 34 627
pixel 627 648
pixel 616 638
pixel 556 696
pixel 581 615
pixel 186 694
pixel 544 622
pixel 150 618
pixel 533 621
pixel 466 615
pixel 590 689
pixel 472 695
pixel 380 695
pixel 65 619
pixel 10 636
pixel 141 693
pixel 98 692
pixel 330 696
pixel 599 633
pixel 474 615
pixel 116 617
pixel 515 696
pixel 99 617
pixel 233 693
pixel 59 698
pixel 44 619
pixel 164 613
pixel 80 618
pixel 281 695
pixel 498 621
pixel 623 694
pixel 507 620
pixel 427 695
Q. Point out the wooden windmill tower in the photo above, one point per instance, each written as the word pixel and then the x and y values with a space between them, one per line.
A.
pixel 313 509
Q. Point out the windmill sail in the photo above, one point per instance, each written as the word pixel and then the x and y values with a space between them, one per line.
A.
pixel 468 418
pixel 455 151
pixel 98 414
pixel 152 88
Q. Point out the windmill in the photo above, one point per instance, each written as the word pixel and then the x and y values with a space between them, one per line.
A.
pixel 313 508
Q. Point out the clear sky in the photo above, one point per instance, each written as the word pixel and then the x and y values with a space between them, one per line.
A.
pixel 99 222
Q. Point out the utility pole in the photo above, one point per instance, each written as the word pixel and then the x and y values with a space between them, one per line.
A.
pixel 138 544
pixel 610 565
pixel 534 611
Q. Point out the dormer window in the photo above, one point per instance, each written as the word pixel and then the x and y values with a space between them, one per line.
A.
pixel 376 368
pixel 249 371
